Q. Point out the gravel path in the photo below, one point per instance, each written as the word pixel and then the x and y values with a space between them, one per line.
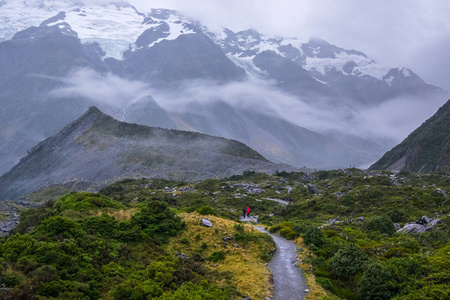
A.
pixel 288 278
pixel 284 202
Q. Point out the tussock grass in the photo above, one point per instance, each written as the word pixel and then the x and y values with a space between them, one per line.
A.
pixel 242 265
pixel 120 215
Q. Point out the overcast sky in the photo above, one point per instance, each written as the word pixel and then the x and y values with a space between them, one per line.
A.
pixel 410 33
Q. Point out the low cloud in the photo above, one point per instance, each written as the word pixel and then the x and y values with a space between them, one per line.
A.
pixel 387 124
pixel 106 89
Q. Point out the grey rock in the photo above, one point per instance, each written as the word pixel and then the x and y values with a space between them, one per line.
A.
pixel 426 219
pixel 183 256
pixel 397 226
pixel 312 189
pixel 412 228
pixel 360 219
pixel 227 238
pixel 433 223
pixel 206 223
pixel 307 290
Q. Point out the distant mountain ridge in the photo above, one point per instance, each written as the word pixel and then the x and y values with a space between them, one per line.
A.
pixel 427 149
pixel 44 43
pixel 98 149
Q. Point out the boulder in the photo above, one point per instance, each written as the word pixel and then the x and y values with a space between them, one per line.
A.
pixel 206 223
pixel 426 219
pixel 412 228
pixel 432 224
pixel 360 219
pixel 397 226
pixel 312 189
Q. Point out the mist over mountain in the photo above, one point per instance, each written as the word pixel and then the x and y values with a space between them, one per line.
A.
pixel 303 103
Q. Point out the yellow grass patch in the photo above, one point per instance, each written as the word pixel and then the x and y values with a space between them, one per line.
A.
pixel 246 270
pixel 120 215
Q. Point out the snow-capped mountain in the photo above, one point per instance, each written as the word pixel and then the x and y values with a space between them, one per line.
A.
pixel 159 68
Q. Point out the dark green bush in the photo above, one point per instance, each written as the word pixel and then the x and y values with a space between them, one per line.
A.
pixel 381 224
pixel 376 283
pixel 397 215
pixel 313 236
pixel 239 227
pixel 85 201
pixel 206 210
pixel 157 220
pixel 216 256
pixel 288 233
pixel 60 228
pixel 347 262
pixel 324 282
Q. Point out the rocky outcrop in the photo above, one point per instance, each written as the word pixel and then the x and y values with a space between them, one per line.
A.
pixel 420 226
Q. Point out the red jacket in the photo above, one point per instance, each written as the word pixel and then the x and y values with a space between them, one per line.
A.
pixel 248 210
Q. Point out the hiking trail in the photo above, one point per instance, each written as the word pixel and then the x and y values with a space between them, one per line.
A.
pixel 288 278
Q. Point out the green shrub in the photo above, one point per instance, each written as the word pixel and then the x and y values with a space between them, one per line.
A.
pixel 216 256
pixel 324 282
pixel 190 291
pixel 376 283
pixel 157 220
pixel 300 228
pixel 275 228
pixel 397 215
pixel 206 210
pixel 185 241
pixel 239 227
pixel 288 233
pixel 381 224
pixel 348 200
pixel 60 228
pixel 11 278
pixel 347 262
pixel 85 201
pixel 313 236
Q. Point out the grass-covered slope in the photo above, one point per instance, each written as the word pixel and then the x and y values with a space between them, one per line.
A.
pixel 427 149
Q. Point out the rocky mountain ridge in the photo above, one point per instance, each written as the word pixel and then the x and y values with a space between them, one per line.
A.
pixel 98 149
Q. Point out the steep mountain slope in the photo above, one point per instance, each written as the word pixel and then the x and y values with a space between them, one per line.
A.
pixel 96 148
pixel 59 57
pixel 427 149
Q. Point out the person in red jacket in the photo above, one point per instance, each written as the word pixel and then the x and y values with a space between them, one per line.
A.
pixel 248 211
